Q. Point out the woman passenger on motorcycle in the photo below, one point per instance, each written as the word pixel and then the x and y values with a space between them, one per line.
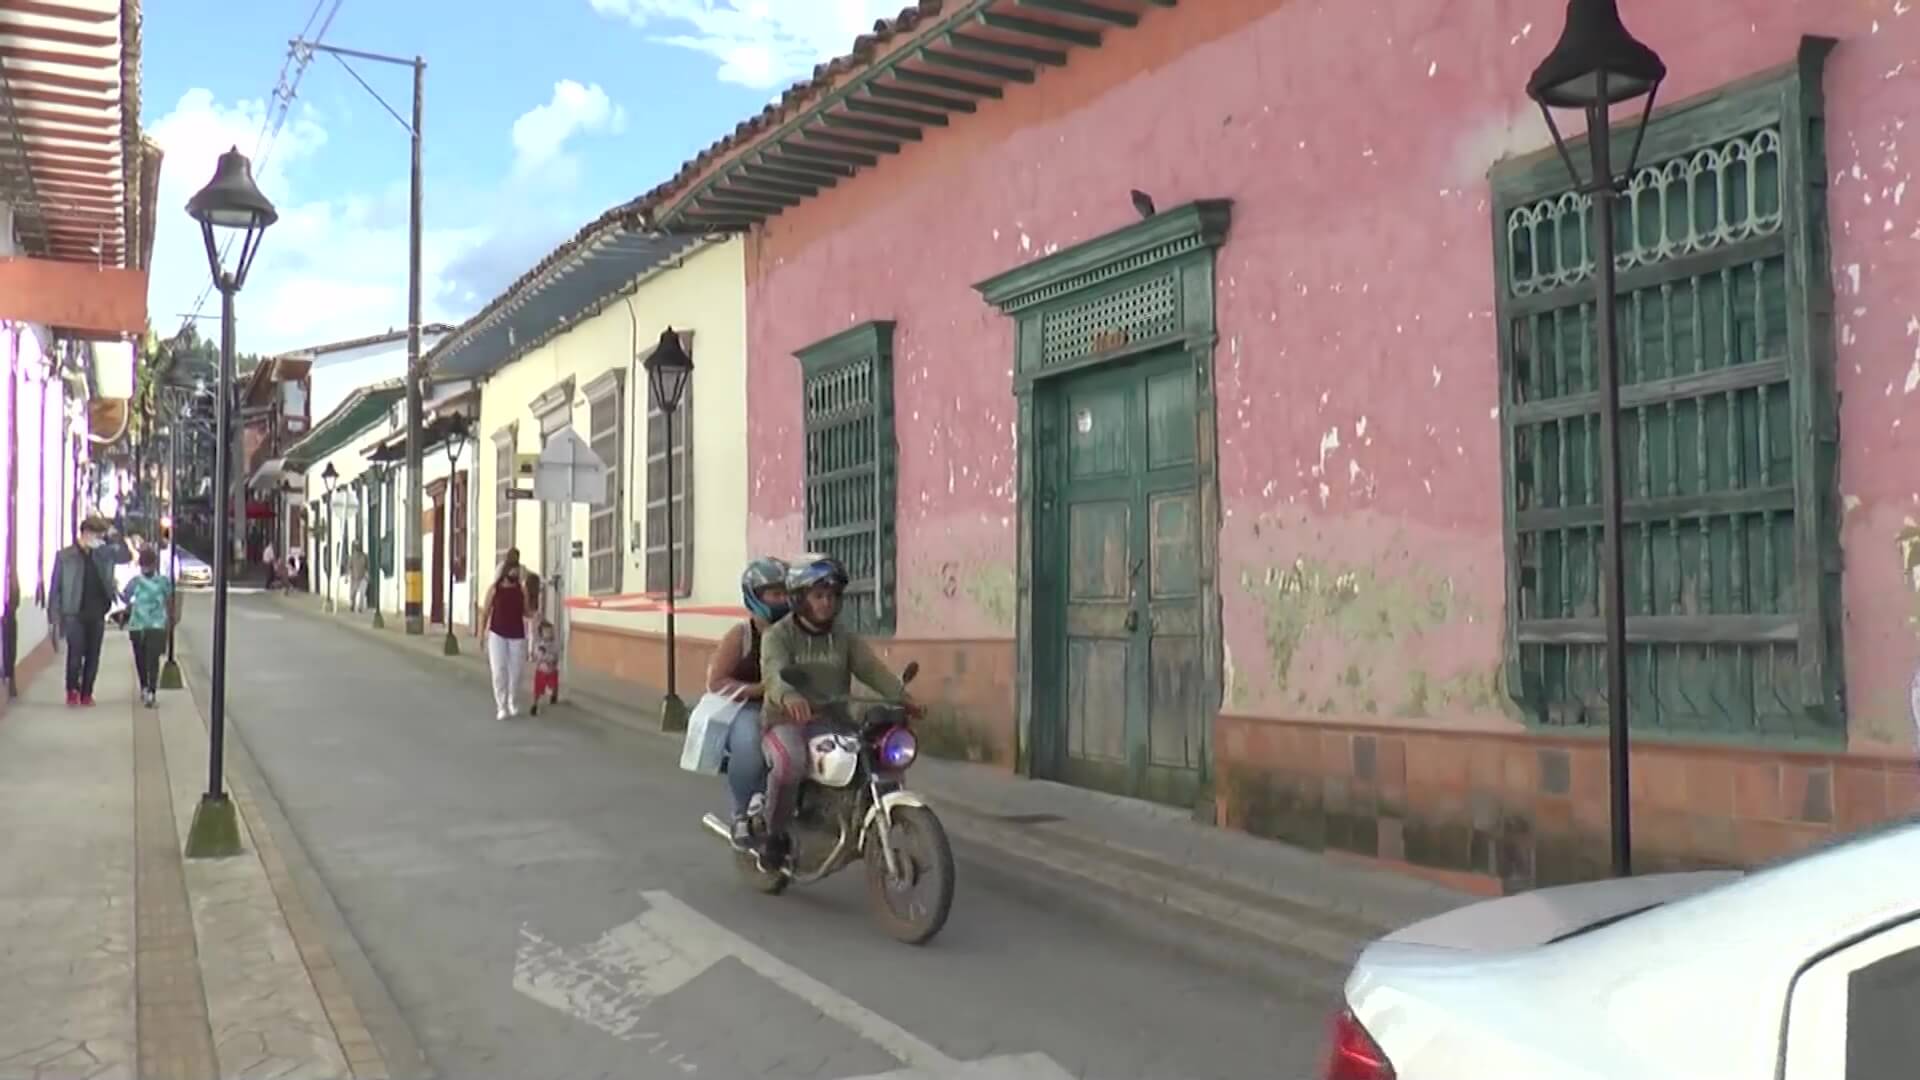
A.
pixel 832 659
pixel 734 669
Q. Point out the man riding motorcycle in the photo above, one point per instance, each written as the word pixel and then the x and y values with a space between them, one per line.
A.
pixel 832 659
pixel 735 670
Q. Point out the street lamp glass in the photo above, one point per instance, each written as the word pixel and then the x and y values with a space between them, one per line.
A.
pixel 1596 62
pixel 668 369
pixel 231 200
pixel 328 476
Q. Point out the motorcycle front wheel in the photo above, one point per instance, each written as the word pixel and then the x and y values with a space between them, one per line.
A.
pixel 913 906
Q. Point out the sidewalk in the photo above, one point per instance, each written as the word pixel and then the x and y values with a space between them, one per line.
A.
pixel 1265 890
pixel 122 958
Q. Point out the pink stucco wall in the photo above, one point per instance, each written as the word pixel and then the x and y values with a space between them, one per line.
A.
pixel 1361 553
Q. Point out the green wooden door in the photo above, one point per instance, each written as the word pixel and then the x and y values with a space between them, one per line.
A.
pixel 1122 524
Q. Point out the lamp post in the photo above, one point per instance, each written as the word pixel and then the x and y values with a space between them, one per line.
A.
pixel 668 370
pixel 170 671
pixel 229 202
pixel 455 442
pixel 330 476
pixel 1597 65
pixel 374 484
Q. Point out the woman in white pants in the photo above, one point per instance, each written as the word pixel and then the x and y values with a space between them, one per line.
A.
pixel 504 615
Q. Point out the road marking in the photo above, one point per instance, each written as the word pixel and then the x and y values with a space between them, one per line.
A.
pixel 609 983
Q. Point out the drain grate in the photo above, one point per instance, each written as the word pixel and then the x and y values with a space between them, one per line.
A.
pixel 1030 819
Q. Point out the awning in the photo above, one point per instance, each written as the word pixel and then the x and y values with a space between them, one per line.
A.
pixel 274 472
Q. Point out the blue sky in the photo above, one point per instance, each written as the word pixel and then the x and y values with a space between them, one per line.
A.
pixel 539 115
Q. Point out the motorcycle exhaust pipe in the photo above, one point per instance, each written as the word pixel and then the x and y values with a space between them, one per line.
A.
pixel 720 828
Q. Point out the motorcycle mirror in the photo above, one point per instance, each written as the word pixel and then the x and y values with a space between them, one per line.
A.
pixel 795 676
pixel 913 669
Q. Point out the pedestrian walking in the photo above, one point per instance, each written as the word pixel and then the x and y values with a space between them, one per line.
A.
pixel 152 609
pixel 82 594
pixel 546 667
pixel 356 577
pixel 504 616
pixel 273 566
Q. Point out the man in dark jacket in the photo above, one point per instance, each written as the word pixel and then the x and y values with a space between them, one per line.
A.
pixel 81 594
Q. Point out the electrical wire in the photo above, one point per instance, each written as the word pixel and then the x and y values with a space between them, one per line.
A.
pixel 274 116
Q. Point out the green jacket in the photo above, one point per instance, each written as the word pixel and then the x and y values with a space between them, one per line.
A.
pixel 831 660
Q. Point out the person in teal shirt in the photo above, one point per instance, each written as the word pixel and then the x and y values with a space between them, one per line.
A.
pixel 151 612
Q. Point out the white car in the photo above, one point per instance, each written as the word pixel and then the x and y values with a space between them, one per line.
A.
pixel 1808 969
pixel 194 572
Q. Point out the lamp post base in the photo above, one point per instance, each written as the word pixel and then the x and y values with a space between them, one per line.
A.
pixel 673 714
pixel 416 625
pixel 170 676
pixel 215 832
pixel 451 646
pixel 379 620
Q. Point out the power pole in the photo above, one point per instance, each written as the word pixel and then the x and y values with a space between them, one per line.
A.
pixel 416 406
pixel 416 619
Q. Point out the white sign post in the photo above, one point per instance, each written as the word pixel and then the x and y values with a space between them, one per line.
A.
pixel 569 471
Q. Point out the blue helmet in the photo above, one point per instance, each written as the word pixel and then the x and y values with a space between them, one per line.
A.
pixel 762 574
pixel 815 570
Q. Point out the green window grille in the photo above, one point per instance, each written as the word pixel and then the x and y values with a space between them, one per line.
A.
pixel 851 466
pixel 1727 425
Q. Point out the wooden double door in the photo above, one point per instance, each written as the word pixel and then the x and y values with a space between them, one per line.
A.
pixel 1119 616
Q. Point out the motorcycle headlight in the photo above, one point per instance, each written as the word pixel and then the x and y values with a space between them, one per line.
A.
pixel 898 748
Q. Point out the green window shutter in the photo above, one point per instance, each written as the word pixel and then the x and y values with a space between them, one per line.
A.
pixel 1727 425
pixel 851 466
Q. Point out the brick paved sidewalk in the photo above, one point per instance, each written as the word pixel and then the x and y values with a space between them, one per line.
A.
pixel 123 959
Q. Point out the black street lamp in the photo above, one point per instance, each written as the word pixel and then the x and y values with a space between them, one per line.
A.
pixel 330 476
pixel 1598 65
pixel 456 441
pixel 230 203
pixel 668 370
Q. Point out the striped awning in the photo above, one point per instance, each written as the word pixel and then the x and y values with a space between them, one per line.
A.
pixel 70 149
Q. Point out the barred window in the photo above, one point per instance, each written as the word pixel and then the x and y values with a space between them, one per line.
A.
pixel 504 445
pixel 680 505
pixel 1728 426
pixel 607 408
pixel 850 466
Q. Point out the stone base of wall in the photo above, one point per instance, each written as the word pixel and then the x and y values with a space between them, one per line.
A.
pixel 967 686
pixel 1518 810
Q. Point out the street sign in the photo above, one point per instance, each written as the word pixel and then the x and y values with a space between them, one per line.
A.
pixel 520 494
pixel 570 472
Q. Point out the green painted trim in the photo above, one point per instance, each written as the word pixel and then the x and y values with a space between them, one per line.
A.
pixel 1206 221
pixel 342 426
pixel 1791 98
pixel 855 343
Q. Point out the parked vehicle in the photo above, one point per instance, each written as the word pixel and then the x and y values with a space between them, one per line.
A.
pixel 854 805
pixel 1808 969
pixel 194 571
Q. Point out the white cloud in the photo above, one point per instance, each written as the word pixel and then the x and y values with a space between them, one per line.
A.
pixel 540 134
pixel 335 266
pixel 759 43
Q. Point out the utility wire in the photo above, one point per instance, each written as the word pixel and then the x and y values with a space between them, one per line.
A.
pixel 273 118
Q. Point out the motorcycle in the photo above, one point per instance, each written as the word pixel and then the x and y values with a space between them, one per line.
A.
pixel 854 805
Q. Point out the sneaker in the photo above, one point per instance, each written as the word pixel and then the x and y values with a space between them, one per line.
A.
pixel 73 698
pixel 533 709
pixel 152 699
pixel 500 714
pixel 742 833
pixel 772 855
pixel 86 700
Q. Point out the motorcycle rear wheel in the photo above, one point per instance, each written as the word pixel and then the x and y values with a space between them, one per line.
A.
pixel 914 908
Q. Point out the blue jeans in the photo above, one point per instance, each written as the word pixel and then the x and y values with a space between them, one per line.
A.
pixel 746 761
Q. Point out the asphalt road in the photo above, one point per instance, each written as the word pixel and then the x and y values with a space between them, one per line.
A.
pixel 541 901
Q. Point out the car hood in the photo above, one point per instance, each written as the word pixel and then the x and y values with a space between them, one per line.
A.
pixel 1535 918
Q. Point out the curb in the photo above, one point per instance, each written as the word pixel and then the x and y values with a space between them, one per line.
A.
pixel 373 1034
pixel 1323 935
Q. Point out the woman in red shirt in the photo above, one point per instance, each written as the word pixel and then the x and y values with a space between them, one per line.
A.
pixel 505 617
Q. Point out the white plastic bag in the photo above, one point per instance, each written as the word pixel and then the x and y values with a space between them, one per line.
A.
pixel 706 745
